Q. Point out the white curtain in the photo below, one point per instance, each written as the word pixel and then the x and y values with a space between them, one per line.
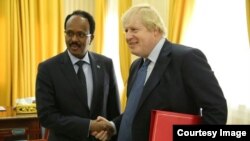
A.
pixel 221 33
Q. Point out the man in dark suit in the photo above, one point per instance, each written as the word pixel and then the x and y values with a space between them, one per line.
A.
pixel 178 78
pixel 69 105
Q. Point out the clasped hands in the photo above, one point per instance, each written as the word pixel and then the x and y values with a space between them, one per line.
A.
pixel 101 129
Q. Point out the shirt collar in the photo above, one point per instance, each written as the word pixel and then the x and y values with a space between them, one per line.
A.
pixel 156 51
pixel 75 59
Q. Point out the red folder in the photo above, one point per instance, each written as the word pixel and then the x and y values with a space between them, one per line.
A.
pixel 161 127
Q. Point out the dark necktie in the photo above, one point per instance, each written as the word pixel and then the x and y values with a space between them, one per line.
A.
pixel 125 133
pixel 82 78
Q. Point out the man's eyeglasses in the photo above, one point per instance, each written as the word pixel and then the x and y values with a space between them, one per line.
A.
pixel 71 34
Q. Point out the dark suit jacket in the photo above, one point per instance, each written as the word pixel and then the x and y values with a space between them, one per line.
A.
pixel 59 97
pixel 181 81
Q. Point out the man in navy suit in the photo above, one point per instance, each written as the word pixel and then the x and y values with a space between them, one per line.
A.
pixel 64 106
pixel 178 79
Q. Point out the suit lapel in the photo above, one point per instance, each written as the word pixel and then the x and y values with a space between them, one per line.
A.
pixel 158 70
pixel 98 77
pixel 70 74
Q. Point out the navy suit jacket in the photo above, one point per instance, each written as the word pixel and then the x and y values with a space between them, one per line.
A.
pixel 60 99
pixel 181 81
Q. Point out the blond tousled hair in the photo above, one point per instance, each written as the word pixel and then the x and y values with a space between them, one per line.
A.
pixel 148 15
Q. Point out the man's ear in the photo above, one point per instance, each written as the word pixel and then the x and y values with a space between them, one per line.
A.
pixel 91 39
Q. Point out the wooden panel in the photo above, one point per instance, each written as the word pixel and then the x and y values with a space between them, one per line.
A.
pixel 18 126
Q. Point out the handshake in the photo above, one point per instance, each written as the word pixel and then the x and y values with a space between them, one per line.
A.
pixel 101 129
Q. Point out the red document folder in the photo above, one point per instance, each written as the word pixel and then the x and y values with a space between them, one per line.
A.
pixel 161 128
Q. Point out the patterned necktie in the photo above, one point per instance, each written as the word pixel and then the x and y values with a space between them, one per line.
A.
pixel 125 133
pixel 82 78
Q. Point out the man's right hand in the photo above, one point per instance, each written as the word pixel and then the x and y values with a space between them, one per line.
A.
pixel 101 128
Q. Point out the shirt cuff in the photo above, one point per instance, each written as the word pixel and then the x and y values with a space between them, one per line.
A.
pixel 113 125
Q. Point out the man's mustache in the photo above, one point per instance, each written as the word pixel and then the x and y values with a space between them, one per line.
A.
pixel 75 44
